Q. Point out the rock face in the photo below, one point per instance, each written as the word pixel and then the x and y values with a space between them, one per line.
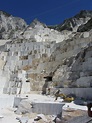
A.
pixel 10 27
pixel 73 23
pixel 85 27
pixel 62 55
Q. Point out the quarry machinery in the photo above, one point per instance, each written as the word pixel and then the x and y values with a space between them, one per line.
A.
pixel 66 98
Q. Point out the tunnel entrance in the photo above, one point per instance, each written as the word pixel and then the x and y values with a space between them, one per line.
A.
pixel 47 80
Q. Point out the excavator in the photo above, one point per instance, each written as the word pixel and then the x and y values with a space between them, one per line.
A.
pixel 65 98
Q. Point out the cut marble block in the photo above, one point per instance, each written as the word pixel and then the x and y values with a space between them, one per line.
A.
pixel 47 108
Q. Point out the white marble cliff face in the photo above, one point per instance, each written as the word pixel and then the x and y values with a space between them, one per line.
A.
pixel 10 25
pixel 39 51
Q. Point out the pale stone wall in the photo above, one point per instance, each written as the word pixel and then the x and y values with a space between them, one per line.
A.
pixel 36 57
pixel 20 56
pixel 85 93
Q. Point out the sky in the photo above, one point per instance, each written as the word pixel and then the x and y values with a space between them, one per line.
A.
pixel 50 12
